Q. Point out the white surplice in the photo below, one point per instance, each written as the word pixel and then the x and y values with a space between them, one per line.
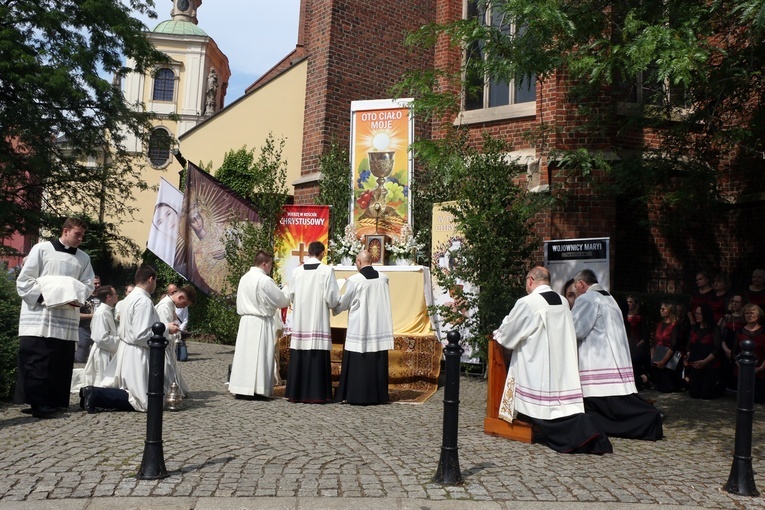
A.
pixel 106 341
pixel 38 319
pixel 605 366
pixel 166 311
pixel 370 320
pixel 313 293
pixel 257 300
pixel 129 369
pixel 543 377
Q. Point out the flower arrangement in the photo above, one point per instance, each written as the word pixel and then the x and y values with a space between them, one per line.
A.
pixel 346 246
pixel 405 245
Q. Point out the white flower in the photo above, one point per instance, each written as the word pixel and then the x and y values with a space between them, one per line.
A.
pixel 348 245
pixel 405 243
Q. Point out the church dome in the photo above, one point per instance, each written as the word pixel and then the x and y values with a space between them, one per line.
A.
pixel 173 27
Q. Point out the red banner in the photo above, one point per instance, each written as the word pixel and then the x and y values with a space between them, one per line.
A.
pixel 299 226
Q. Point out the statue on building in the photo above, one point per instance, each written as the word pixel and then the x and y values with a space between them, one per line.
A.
pixel 212 92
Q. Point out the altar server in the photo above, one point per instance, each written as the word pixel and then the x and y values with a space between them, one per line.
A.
pixel 179 299
pixel 605 366
pixel 47 327
pixel 257 300
pixel 105 341
pixel 364 374
pixel 126 385
pixel 542 385
pixel 313 294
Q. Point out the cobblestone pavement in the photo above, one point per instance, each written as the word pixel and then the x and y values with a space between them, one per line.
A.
pixel 218 448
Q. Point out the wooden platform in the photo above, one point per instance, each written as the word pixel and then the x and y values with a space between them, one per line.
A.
pixel 493 424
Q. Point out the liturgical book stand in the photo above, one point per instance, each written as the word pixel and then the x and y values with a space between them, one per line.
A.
pixel 493 424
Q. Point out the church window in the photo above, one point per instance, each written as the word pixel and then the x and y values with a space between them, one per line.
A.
pixel 164 85
pixel 159 148
pixel 483 92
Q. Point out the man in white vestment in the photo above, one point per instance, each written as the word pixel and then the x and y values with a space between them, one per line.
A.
pixel 126 385
pixel 313 294
pixel 369 337
pixel 48 331
pixel 543 377
pixel 605 365
pixel 257 300
pixel 178 298
pixel 105 341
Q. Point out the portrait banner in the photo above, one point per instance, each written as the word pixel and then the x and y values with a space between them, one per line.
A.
pixel 210 215
pixel 381 161
pixel 298 227
pixel 163 236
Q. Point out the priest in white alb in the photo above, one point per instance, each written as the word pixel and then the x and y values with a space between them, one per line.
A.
pixel 605 365
pixel 257 300
pixel 313 293
pixel 369 337
pixel 542 385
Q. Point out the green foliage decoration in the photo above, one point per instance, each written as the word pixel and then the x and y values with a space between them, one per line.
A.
pixel 494 216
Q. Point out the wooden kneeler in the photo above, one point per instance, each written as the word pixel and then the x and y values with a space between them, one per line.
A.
pixel 493 424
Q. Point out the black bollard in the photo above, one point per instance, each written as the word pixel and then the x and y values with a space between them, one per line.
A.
pixel 153 462
pixel 448 471
pixel 741 479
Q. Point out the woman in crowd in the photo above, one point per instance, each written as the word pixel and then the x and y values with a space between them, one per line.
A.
pixel 703 294
pixel 638 338
pixel 721 295
pixel 755 293
pixel 703 361
pixel 569 292
pixel 666 371
pixel 730 325
pixel 754 331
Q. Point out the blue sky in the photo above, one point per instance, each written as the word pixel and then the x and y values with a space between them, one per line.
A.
pixel 253 34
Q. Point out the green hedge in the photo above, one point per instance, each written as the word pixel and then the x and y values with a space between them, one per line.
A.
pixel 10 304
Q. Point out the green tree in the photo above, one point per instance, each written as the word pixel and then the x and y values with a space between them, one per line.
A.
pixel 495 220
pixel 57 110
pixel 262 181
pixel 692 68
pixel 10 304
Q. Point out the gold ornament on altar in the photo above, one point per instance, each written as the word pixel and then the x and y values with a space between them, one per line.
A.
pixel 381 166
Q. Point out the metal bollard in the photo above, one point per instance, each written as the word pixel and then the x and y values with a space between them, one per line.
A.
pixel 741 479
pixel 153 462
pixel 448 471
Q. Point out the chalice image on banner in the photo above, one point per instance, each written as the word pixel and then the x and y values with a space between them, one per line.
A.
pixel 381 166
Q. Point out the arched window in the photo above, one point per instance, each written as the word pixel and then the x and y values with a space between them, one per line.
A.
pixel 164 85
pixel 159 148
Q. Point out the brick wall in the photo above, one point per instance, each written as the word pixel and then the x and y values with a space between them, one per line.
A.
pixel 355 51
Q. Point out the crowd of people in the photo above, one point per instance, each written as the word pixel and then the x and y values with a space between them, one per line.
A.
pixel 693 347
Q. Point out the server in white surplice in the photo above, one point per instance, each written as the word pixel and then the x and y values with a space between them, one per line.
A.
pixel 605 365
pixel 257 300
pixel 542 385
pixel 313 294
pixel 364 375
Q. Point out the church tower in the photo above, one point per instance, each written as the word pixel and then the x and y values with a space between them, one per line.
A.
pixel 187 89
pixel 184 91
